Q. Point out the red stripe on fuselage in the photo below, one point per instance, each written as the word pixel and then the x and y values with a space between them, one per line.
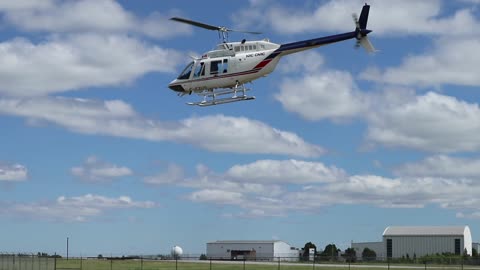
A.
pixel 263 63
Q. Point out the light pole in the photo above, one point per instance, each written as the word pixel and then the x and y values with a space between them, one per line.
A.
pixel 67 248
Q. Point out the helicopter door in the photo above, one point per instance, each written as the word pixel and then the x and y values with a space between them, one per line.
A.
pixel 199 70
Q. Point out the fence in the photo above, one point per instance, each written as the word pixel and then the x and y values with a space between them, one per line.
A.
pixel 34 262
pixel 26 262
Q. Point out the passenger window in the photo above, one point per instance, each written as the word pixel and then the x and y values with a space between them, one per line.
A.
pixel 250 47
pixel 254 47
pixel 237 48
pixel 225 65
pixel 215 66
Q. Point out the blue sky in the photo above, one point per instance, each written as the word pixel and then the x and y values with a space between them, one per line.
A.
pixel 338 144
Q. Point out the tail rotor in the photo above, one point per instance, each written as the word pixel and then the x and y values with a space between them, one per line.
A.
pixel 362 31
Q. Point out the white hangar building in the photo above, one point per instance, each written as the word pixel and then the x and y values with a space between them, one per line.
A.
pixel 419 241
pixel 252 250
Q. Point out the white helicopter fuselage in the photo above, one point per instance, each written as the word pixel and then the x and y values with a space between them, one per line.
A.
pixel 228 65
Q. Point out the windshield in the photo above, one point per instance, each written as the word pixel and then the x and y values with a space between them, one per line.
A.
pixel 186 72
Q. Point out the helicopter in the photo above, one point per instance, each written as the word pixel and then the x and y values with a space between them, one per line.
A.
pixel 225 70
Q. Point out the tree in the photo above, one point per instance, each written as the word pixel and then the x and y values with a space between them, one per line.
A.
pixel 350 255
pixel 330 252
pixel 474 252
pixel 100 256
pixel 306 249
pixel 368 255
pixel 203 257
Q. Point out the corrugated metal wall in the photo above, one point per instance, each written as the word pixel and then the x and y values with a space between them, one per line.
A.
pixel 422 245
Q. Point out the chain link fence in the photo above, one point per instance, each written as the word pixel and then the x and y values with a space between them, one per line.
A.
pixel 202 262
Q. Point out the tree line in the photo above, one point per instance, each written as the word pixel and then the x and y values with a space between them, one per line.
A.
pixel 332 253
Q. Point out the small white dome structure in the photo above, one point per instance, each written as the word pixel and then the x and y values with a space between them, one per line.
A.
pixel 177 251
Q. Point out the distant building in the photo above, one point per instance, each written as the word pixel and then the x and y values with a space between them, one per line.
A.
pixel 252 250
pixel 419 241
pixel 475 246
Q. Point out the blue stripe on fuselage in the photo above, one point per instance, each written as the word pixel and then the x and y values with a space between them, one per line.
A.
pixel 314 42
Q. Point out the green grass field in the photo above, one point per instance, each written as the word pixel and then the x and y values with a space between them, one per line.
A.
pixel 44 263
pixel 93 264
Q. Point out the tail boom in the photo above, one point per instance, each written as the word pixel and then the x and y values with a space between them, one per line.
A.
pixel 360 34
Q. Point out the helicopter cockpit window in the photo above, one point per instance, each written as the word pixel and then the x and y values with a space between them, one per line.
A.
pixel 186 72
pixel 199 70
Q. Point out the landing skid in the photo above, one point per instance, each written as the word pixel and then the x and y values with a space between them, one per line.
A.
pixel 210 96
pixel 219 101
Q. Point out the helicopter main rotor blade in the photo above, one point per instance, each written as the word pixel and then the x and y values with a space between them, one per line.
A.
pixel 198 24
pixel 246 32
pixel 211 27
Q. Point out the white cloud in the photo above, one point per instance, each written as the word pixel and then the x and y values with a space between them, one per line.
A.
pixel 442 166
pixel 329 94
pixel 405 18
pixel 208 180
pixel 306 62
pixel 299 189
pixel 25 4
pixel 72 209
pixel 395 117
pixel 217 196
pixel 174 174
pixel 452 61
pixel 216 133
pixel 102 16
pixel 431 122
pixel 12 172
pixel 77 61
pixel 96 170
pixel 285 171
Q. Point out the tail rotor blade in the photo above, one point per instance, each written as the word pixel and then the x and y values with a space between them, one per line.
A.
pixel 355 20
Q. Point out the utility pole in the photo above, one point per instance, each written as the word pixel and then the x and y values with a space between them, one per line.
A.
pixel 67 248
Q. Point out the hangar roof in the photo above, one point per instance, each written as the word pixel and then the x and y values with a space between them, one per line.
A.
pixel 245 242
pixel 425 230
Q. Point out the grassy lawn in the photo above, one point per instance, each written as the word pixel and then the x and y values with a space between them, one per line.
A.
pixel 93 264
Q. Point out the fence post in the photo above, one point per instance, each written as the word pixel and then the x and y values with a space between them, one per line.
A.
pixel 33 260
pixel 55 262
pixel 425 264
pixel 141 263
pixel 278 263
pixel 176 262
pixel 243 263
pixel 81 263
pixel 313 262
pixel 210 263
pixel 111 262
